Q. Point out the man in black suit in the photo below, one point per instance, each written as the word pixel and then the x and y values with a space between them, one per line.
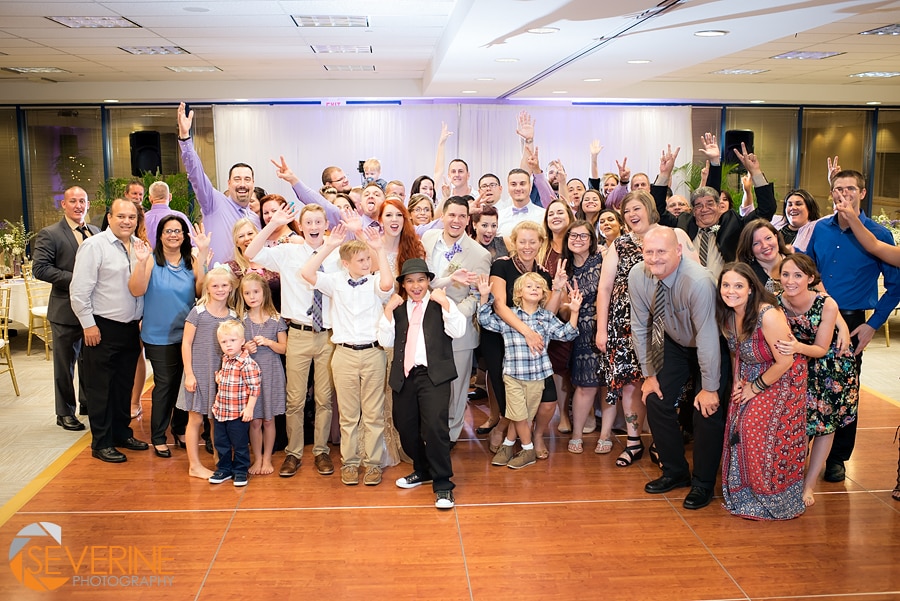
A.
pixel 713 229
pixel 54 258
pixel 421 329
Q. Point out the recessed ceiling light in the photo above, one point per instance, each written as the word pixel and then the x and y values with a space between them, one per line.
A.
pixel 804 55
pixel 710 33
pixel 484 79
pixel 349 67
pixel 757 102
pixel 543 30
pixel 886 30
pixel 106 22
pixel 876 74
pixel 874 102
pixel 340 49
pixel 470 91
pixel 197 69
pixel 506 60
pixel 638 62
pixel 739 71
pixel 593 79
pixel 154 49
pixel 560 91
pixel 35 70
pixel 111 100
pixel 195 9
pixel 242 100
pixel 330 20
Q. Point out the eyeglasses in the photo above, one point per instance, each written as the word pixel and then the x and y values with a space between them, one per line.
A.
pixel 841 190
pixel 583 237
pixel 337 181
pixel 422 210
pixel 172 232
pixel 488 186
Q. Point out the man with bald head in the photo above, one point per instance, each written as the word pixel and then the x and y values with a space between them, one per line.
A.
pixel 159 207
pixel 676 339
pixel 54 259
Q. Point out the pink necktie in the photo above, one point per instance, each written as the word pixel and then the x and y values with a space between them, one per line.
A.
pixel 415 326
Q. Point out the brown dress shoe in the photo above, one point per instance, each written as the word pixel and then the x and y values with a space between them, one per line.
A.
pixel 289 467
pixel 324 465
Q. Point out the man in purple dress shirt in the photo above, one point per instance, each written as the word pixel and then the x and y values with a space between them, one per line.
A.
pixel 159 207
pixel 220 212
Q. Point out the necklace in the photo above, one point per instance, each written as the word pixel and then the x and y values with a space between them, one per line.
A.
pixel 254 330
pixel 521 266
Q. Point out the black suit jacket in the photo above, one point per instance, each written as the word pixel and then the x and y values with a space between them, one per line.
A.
pixel 730 223
pixel 438 347
pixel 55 247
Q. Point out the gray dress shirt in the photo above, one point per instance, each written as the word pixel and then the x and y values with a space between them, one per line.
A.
pixel 100 281
pixel 690 317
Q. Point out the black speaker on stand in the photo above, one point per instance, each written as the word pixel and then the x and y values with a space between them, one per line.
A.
pixel 733 139
pixel 146 154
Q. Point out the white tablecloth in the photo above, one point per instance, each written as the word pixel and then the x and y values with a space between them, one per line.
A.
pixel 18 304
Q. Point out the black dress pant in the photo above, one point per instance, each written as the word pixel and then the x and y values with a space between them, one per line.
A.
pixel 421 416
pixel 67 344
pixel 845 437
pixel 167 371
pixel 110 367
pixel 679 365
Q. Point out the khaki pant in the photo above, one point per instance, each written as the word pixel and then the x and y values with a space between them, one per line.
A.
pixel 359 384
pixel 522 398
pixel 304 348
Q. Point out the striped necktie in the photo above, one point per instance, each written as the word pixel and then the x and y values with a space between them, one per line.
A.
pixel 705 235
pixel 657 329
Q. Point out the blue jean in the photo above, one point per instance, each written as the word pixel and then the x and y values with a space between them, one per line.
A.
pixel 232 435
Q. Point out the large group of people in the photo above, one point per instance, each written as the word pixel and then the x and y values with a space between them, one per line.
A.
pixel 696 319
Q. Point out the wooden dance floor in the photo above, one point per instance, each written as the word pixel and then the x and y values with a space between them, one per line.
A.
pixel 572 527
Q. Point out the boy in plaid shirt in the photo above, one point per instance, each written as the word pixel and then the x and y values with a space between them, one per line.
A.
pixel 238 383
pixel 524 372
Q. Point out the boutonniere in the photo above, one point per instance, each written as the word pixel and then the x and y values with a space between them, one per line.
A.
pixel 714 229
pixel 452 267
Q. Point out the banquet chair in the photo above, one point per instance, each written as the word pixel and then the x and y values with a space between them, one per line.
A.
pixel 6 362
pixel 38 325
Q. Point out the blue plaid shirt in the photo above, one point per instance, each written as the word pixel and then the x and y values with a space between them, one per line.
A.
pixel 519 362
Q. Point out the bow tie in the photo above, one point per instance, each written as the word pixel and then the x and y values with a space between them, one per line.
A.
pixel 456 248
pixel 522 211
pixel 359 282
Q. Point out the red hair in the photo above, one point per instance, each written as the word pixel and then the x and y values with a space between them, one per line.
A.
pixel 410 246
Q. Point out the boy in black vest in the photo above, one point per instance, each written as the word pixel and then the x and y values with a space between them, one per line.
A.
pixel 421 329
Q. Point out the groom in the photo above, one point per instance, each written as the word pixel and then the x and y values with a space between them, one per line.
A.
pixel 447 252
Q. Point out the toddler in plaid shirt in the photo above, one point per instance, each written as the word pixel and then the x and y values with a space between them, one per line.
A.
pixel 524 372
pixel 238 382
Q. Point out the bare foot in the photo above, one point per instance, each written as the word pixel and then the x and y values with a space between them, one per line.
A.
pixel 200 472
pixel 496 437
pixel 255 469
pixel 267 468
pixel 808 499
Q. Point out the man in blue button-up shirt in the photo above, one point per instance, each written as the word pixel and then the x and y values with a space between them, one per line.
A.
pixel 850 275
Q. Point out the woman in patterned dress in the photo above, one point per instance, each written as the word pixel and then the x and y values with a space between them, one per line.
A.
pixel 832 389
pixel 623 371
pixel 587 363
pixel 765 442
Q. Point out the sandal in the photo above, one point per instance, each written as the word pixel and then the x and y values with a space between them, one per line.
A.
pixel 576 446
pixel 631 453
pixel 603 447
pixel 542 454
pixel 654 455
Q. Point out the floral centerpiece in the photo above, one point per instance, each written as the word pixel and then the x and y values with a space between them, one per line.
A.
pixel 14 239
pixel 893 225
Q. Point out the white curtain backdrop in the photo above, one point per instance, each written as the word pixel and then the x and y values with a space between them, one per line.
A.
pixel 404 138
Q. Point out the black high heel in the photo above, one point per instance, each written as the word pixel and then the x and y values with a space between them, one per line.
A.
pixel 481 431
pixel 179 442
pixel 164 453
pixel 631 453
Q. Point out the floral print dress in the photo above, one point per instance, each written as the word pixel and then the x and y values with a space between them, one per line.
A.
pixel 833 388
pixel 622 362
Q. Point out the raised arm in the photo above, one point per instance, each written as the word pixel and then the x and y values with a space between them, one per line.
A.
pixel 765 192
pixel 595 152
pixel 310 269
pixel 140 275
pixel 887 253
pixel 203 188
pixel 281 217
pixel 439 158
pixel 372 238
pixel 304 193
